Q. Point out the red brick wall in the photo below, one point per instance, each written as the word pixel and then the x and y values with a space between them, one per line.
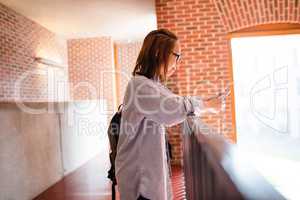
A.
pixel 202 26
pixel 91 64
pixel 238 14
pixel 20 41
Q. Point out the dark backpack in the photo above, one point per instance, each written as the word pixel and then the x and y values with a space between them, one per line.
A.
pixel 113 136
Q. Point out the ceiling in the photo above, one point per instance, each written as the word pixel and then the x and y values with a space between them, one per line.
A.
pixel 120 19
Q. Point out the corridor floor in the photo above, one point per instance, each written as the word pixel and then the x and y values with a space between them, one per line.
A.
pixel 88 183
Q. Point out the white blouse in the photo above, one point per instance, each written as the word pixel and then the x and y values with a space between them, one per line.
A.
pixel 141 162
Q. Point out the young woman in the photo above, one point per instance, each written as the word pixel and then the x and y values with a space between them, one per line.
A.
pixel 148 106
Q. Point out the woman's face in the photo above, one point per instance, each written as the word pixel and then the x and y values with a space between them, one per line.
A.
pixel 174 59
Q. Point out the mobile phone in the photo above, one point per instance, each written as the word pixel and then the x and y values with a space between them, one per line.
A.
pixel 221 94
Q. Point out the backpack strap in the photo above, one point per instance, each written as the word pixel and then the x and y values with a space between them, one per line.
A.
pixel 120 108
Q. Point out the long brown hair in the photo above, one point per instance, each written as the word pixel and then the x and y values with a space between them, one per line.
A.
pixel 157 47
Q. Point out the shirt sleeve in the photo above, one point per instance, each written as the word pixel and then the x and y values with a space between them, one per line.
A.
pixel 163 106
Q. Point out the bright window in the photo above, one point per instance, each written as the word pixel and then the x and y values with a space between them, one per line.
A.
pixel 266 73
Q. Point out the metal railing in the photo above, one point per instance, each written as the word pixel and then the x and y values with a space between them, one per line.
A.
pixel 213 171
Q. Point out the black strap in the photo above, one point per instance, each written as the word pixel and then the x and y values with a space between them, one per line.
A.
pixel 120 107
pixel 113 192
pixel 142 198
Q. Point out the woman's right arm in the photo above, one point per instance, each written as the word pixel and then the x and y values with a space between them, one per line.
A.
pixel 161 105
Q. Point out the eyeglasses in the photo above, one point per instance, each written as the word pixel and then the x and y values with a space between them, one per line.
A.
pixel 178 56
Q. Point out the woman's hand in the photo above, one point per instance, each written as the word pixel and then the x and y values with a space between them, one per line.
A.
pixel 215 104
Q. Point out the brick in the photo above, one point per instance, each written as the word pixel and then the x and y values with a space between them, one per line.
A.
pixel 21 40
pixel 204 43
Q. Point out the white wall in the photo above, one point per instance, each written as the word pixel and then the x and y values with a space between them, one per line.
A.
pixel 37 150
pixel 30 158
pixel 84 127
